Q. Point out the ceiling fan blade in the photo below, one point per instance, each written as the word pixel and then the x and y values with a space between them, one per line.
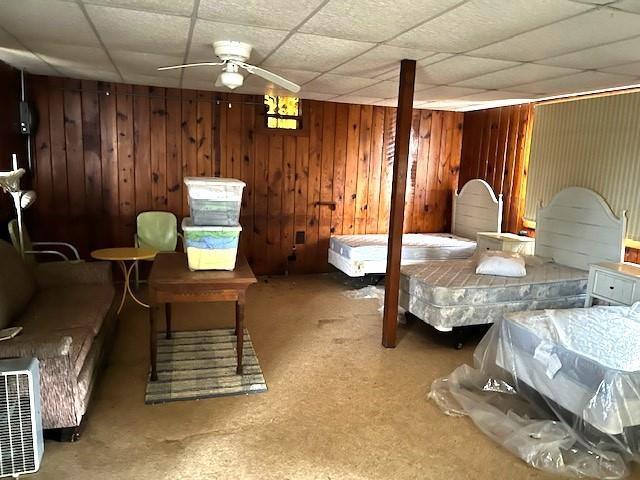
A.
pixel 187 65
pixel 272 77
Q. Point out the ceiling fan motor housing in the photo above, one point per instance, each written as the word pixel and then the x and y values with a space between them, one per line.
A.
pixel 232 51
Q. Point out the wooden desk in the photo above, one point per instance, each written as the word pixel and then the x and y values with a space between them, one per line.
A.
pixel 171 281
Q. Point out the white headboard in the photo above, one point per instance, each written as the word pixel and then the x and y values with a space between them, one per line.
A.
pixel 476 209
pixel 578 228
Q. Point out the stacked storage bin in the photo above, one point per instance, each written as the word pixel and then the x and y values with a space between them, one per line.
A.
pixel 212 232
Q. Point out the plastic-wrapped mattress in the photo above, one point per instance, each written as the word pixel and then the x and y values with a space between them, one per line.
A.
pixel 559 388
pixel 358 255
pixel 450 294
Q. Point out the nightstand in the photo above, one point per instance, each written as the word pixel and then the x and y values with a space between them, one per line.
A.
pixel 506 242
pixel 616 283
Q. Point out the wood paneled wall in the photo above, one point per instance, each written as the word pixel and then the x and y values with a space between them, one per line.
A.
pixel 495 147
pixel 102 158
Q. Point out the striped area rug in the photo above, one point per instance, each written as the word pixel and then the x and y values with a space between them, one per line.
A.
pixel 202 364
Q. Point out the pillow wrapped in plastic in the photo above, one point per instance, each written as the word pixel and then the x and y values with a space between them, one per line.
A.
pixel 558 388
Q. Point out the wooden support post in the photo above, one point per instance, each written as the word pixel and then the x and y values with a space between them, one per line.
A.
pixel 398 189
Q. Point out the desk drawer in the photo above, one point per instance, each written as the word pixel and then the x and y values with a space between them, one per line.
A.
pixel 617 289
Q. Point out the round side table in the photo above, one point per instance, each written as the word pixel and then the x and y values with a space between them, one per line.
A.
pixel 121 255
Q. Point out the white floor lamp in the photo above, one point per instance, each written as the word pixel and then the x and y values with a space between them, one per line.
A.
pixel 10 183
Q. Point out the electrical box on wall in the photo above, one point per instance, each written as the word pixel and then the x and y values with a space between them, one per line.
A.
pixel 27 118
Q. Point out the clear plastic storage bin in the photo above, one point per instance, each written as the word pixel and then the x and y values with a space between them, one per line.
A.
pixel 211 247
pixel 214 201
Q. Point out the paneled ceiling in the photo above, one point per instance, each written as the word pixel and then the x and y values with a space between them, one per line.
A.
pixel 470 53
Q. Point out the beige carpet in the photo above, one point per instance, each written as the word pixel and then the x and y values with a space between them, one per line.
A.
pixel 339 406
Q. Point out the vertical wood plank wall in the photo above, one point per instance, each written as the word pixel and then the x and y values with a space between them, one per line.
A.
pixel 495 147
pixel 101 159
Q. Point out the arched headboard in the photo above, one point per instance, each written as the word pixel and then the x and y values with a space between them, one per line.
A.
pixel 578 228
pixel 476 209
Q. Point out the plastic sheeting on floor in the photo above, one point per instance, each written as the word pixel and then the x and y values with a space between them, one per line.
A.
pixel 558 388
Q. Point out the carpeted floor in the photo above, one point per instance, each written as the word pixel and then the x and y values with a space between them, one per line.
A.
pixel 339 406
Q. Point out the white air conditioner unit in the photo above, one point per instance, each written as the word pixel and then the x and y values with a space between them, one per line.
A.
pixel 21 444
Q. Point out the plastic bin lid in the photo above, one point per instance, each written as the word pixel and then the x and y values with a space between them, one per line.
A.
pixel 187 224
pixel 210 181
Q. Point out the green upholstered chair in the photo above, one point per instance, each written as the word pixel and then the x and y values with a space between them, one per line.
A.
pixel 158 231
pixel 67 253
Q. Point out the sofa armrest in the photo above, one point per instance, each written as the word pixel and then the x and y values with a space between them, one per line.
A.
pixel 56 274
pixel 39 346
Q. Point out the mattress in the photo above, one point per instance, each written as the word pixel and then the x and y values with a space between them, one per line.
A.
pixel 449 294
pixel 415 246
pixel 359 255
pixel 585 360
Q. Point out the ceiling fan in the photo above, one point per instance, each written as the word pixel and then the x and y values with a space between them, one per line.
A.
pixel 232 57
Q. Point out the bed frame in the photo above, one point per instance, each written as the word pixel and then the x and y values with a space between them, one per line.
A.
pixel 476 209
pixel 578 228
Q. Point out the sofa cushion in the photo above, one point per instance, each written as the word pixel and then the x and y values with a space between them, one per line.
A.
pixel 78 306
pixel 17 284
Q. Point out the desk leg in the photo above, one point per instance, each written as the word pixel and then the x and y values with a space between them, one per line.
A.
pixel 239 333
pixel 167 317
pixel 153 311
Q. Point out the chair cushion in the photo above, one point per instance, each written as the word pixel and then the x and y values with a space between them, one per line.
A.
pixel 17 284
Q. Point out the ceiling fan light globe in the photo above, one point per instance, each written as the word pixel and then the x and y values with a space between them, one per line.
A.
pixel 231 79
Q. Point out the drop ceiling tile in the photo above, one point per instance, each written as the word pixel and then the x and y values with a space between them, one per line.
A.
pixel 369 21
pixel 386 89
pixel 357 99
pixel 278 14
pixel 152 80
pixel 89 73
pixel 316 95
pixel 337 84
pixel 40 21
pixel 628 69
pixel 138 31
pixel 481 22
pixel 459 67
pixel 146 63
pixel 450 106
pixel 524 73
pixel 394 73
pixel 389 102
pixel 174 7
pixel 19 58
pixel 603 56
pixel 493 95
pixel 628 5
pixel 443 93
pixel 583 31
pixel 577 83
pixel 264 40
pixel 58 55
pixel 379 60
pixel 311 52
